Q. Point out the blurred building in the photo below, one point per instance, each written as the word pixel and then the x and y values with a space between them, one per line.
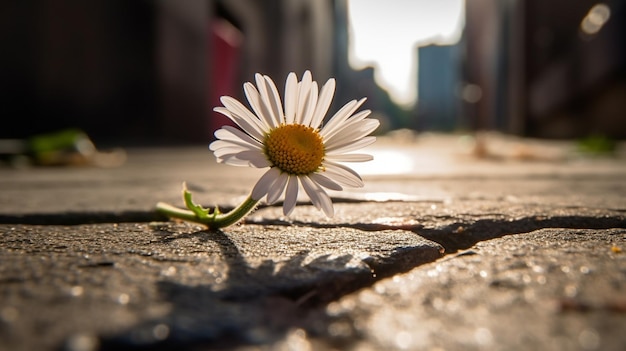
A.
pixel 439 105
pixel 78 64
pixel 547 68
pixel 149 71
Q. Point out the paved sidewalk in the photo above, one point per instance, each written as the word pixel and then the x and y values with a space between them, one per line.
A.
pixel 513 245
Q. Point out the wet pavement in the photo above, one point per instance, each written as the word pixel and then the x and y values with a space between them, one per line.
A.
pixel 508 244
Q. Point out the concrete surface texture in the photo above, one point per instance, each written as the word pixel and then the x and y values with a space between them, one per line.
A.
pixel 455 243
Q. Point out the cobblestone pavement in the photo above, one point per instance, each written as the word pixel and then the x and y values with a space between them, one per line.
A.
pixel 508 244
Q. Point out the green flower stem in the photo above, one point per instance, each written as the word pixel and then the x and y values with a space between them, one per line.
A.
pixel 197 214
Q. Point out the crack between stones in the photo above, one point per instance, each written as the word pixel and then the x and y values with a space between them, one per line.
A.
pixel 462 235
pixel 77 218
pixel 455 236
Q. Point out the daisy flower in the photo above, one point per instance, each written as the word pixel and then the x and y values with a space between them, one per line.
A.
pixel 292 141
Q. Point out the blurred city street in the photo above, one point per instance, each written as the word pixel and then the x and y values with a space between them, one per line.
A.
pixel 452 241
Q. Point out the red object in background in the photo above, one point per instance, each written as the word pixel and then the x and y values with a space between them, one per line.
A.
pixel 223 75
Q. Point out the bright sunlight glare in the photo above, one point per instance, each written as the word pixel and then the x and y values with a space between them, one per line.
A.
pixel 386 34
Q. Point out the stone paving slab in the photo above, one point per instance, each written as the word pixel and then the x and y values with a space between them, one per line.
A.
pixel 550 289
pixel 117 282
pixel 455 224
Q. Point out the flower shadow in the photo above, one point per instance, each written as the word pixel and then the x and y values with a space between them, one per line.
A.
pixel 252 304
pixel 303 277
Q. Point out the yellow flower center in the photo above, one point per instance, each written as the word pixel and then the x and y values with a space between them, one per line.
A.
pixel 295 148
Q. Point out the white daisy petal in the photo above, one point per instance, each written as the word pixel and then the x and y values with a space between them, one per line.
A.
pixel 232 160
pixel 291 97
pixel 344 112
pixel 220 143
pixel 261 87
pixel 360 116
pixel 277 106
pixel 236 107
pixel 263 185
pixel 318 196
pixel 325 98
pixel 352 132
pixel 291 195
pixel 255 101
pixel 303 100
pixel 277 189
pixel 342 174
pixel 265 91
pixel 224 154
pixel 241 157
pixel 325 181
pixel 216 146
pixel 232 133
pixel 310 106
pixel 225 134
pixel 351 146
pixel 303 96
pixel 345 179
pixel 327 204
pixel 229 156
pixel 309 188
pixel 255 158
pixel 349 157
pixel 250 126
pixel 242 112
pixel 354 120
pixel 336 120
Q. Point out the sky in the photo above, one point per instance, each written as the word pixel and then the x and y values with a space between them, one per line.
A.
pixel 386 34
